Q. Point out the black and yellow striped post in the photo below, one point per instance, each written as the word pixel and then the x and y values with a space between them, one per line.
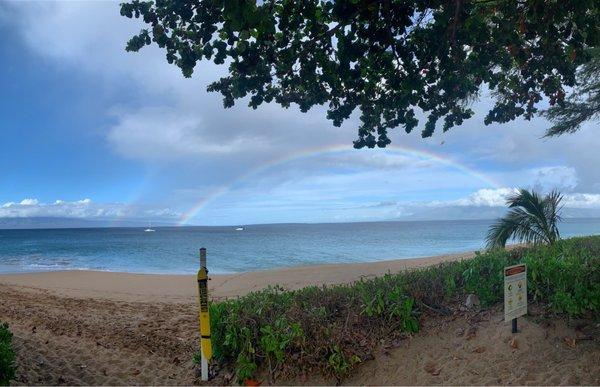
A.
pixel 204 318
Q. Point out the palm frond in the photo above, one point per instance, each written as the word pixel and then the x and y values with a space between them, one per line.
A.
pixel 533 204
pixel 531 219
pixel 552 209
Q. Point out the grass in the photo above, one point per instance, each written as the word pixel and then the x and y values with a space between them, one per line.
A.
pixel 7 356
pixel 332 329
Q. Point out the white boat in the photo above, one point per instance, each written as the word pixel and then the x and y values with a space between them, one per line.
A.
pixel 149 229
pixel 239 228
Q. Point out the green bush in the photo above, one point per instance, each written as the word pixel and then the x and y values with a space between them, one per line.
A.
pixel 331 329
pixel 290 331
pixel 566 276
pixel 484 275
pixel 7 356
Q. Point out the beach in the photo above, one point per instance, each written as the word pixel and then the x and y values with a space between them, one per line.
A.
pixel 85 327
pixel 183 288
pixel 299 193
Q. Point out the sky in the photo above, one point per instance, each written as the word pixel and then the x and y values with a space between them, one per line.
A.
pixel 91 131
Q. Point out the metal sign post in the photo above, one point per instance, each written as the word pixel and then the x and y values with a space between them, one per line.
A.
pixel 204 318
pixel 515 293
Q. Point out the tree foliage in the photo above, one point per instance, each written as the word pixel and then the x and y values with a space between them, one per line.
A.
pixel 393 60
pixel 531 218
pixel 582 105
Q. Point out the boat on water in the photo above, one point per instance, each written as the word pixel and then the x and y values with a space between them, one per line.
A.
pixel 239 228
pixel 149 229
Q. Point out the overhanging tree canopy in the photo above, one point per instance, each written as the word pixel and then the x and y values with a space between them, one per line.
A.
pixel 387 58
pixel 582 105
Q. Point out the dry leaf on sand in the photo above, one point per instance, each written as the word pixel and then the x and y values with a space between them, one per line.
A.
pixel 432 368
pixel 570 342
pixel 514 344
pixel 479 350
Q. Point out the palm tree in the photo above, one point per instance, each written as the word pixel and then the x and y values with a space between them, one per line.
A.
pixel 531 219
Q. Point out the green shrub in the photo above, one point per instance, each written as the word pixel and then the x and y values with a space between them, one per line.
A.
pixel 339 363
pixel 331 329
pixel 291 331
pixel 7 356
pixel 566 275
pixel 484 276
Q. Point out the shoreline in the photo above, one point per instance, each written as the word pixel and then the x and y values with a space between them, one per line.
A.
pixel 121 286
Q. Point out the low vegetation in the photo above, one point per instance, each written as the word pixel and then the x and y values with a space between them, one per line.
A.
pixel 7 356
pixel 332 329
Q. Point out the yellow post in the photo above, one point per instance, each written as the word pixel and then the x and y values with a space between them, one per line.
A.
pixel 204 318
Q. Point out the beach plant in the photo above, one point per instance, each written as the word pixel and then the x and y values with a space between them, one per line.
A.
pixel 483 276
pixel 566 276
pixel 7 356
pixel 531 219
pixel 339 363
pixel 332 329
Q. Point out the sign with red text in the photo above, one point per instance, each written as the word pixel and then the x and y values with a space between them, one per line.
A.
pixel 515 291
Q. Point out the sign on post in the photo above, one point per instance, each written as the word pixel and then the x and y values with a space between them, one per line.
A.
pixel 515 293
pixel 204 317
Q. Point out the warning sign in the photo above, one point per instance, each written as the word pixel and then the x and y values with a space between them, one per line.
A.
pixel 515 291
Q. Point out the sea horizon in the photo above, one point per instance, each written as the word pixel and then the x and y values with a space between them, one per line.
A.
pixel 174 249
pixel 145 224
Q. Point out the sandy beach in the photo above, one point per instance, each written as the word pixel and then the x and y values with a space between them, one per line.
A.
pixel 183 288
pixel 114 328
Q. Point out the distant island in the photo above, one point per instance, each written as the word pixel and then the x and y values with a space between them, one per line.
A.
pixel 56 222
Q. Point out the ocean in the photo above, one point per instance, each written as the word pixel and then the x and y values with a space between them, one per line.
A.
pixel 174 250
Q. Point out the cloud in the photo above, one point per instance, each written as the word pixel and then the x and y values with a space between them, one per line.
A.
pixel 374 159
pixel 168 116
pixel 559 177
pixel 163 133
pixel 90 36
pixel 497 198
pixel 84 208
pixel 485 197
pixel 388 203
pixel 29 202
pixel 582 200
pixel 192 145
pixel 23 203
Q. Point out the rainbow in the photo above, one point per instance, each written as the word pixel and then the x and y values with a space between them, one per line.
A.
pixel 322 151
